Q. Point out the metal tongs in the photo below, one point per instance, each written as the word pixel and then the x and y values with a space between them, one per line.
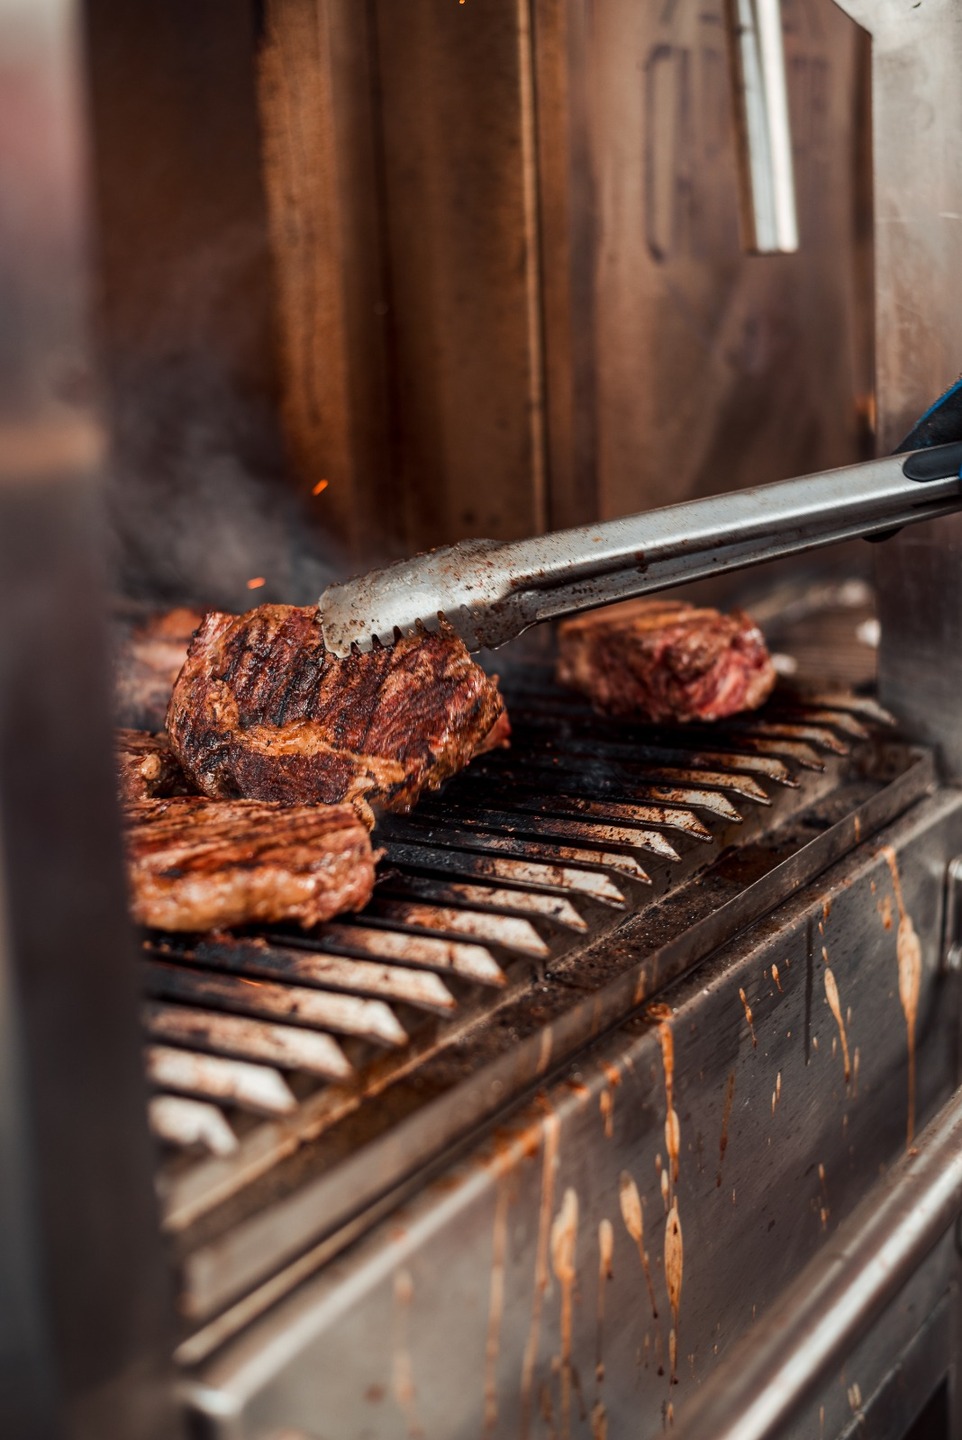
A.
pixel 491 592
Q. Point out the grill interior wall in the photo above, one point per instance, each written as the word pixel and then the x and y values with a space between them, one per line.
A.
pixel 483 277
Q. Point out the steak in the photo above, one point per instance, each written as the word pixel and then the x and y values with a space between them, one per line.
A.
pixel 197 864
pixel 147 660
pixel 261 709
pixel 664 661
pixel 147 768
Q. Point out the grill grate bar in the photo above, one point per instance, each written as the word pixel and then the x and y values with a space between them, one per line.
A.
pixel 862 705
pixel 420 988
pixel 685 750
pixel 843 720
pixel 629 775
pixel 282 1045
pixel 485 897
pixel 187 1123
pixel 556 827
pixel 459 957
pixel 596 780
pixel 543 801
pixel 257 1088
pixel 506 931
pixel 319 1009
pixel 528 874
pixel 818 736
pixel 489 840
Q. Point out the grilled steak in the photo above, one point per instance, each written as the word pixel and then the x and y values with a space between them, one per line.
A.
pixel 147 767
pixel 664 661
pixel 261 709
pixel 197 864
pixel 147 661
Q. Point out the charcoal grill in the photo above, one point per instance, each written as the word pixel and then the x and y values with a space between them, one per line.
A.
pixel 648 1036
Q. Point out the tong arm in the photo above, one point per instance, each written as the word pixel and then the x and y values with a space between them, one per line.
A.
pixel 490 592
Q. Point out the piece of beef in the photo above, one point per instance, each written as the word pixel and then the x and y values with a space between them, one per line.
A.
pixel 261 709
pixel 198 864
pixel 147 768
pixel 664 661
pixel 147 660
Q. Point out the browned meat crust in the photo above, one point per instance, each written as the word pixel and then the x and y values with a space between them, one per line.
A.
pixel 147 661
pixel 261 709
pixel 147 768
pixel 197 864
pixel 665 661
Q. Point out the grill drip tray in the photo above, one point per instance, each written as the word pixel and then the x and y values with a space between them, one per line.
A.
pixel 549 890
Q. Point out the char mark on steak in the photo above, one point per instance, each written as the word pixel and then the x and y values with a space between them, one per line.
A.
pixel 663 661
pixel 196 864
pixel 262 710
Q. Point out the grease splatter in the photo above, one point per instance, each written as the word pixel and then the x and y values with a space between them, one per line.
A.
pixel 909 953
pixel 499 1242
pixel 824 1210
pixel 606 1104
pixel 748 1016
pixel 674 1269
pixel 401 1370
pixel 606 1246
pixel 831 995
pixel 564 1238
pixel 633 1216
pixel 662 1014
pixel 549 1167
pixel 726 1117
pixel 775 977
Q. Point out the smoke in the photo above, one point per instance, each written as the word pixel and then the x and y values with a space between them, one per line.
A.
pixel 198 498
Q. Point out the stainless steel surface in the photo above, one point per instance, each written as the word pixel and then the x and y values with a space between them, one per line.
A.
pixel 492 593
pixel 917 184
pixel 820 1317
pixel 520 999
pixel 769 220
pixel 748 1111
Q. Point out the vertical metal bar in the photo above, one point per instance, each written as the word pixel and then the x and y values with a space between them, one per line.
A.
pixel 761 92
pixel 85 1314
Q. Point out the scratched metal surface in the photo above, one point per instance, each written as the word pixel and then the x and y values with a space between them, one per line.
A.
pixel 715 1140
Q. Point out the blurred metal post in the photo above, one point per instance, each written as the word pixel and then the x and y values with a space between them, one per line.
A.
pixel 85 1309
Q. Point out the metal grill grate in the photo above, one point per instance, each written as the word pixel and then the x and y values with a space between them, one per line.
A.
pixel 259 1043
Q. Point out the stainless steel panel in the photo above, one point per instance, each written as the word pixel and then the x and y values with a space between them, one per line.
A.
pixel 740 1120
pixel 917 150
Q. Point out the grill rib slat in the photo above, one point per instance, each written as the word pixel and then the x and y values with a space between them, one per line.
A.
pixel 319 1009
pixel 420 988
pixel 257 1088
pixel 528 874
pixel 282 1045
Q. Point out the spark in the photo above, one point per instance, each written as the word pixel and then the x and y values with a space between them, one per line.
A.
pixel 322 484
pixel 256 583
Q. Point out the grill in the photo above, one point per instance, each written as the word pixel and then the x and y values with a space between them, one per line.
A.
pixel 646 1049
pixel 319 1071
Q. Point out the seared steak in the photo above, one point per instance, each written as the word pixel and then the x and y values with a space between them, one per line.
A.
pixel 147 768
pixel 197 864
pixel 147 661
pixel 261 709
pixel 665 661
